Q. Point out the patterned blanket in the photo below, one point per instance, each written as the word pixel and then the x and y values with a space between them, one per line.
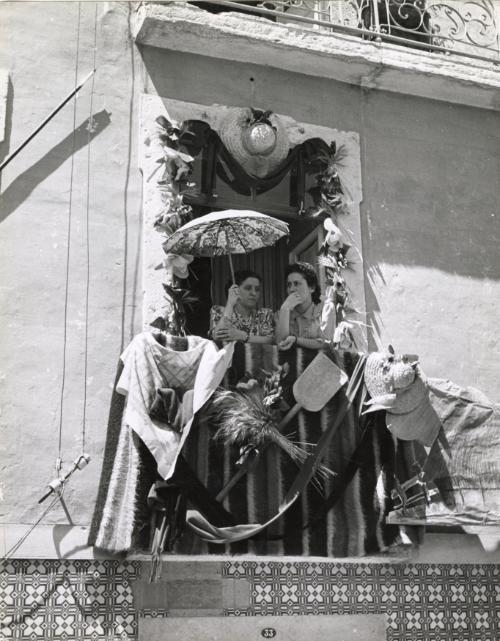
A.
pixel 354 526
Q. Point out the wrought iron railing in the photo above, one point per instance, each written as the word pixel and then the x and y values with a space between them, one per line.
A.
pixel 464 27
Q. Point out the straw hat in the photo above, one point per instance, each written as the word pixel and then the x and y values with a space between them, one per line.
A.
pixel 259 147
pixel 400 388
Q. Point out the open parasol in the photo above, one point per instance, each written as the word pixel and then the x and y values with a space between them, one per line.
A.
pixel 228 232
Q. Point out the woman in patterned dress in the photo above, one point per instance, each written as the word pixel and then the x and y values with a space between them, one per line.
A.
pixel 242 319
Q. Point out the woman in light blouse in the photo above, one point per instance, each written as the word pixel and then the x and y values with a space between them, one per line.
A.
pixel 299 318
pixel 241 319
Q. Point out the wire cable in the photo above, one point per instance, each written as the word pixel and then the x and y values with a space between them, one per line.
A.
pixel 58 485
pixel 87 241
pixel 68 247
pixel 23 538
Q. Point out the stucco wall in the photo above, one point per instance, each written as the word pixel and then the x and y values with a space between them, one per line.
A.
pixel 39 42
pixel 430 226
pixel 430 215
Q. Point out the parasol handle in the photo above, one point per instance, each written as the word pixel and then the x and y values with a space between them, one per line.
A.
pixel 232 269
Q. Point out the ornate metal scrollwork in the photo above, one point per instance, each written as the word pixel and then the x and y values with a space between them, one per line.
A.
pixel 471 23
pixel 458 26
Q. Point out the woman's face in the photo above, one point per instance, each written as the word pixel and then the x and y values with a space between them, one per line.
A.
pixel 250 292
pixel 296 283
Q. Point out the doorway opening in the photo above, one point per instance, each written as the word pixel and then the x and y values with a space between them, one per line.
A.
pixel 209 276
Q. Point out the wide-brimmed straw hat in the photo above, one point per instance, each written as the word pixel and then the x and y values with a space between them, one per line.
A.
pixel 256 148
pixel 400 388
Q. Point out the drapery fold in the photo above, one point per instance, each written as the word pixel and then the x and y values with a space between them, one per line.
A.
pixel 464 462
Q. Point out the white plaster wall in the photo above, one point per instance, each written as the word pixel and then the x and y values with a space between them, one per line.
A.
pixel 38 48
pixel 430 226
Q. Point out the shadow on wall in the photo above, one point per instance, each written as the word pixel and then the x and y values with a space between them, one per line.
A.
pixel 373 319
pixel 22 186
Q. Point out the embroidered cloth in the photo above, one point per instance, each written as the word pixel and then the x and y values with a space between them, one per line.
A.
pixel 149 366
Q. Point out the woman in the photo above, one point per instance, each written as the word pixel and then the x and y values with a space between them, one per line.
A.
pixel 299 320
pixel 241 319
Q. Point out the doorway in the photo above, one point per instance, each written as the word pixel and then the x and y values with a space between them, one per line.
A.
pixel 209 276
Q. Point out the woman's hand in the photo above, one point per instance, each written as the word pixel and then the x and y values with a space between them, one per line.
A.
pixel 233 295
pixel 287 342
pixel 229 333
pixel 291 301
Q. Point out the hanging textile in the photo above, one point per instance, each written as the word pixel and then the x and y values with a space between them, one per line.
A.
pixel 356 524
pixel 218 160
pixel 149 366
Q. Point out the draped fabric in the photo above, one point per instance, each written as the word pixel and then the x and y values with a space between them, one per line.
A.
pixel 192 367
pixel 346 516
pixel 219 161
pixel 355 526
pixel 463 463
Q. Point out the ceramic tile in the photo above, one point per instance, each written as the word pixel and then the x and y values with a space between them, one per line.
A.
pixel 66 600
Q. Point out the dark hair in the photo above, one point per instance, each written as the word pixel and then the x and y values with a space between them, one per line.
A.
pixel 240 276
pixel 307 271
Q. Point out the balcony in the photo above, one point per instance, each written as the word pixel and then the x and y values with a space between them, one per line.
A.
pixel 444 51
pixel 463 27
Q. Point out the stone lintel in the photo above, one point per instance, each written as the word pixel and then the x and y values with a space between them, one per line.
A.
pixel 372 65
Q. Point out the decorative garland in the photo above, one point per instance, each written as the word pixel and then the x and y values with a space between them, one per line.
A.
pixel 177 166
pixel 329 202
pixel 181 142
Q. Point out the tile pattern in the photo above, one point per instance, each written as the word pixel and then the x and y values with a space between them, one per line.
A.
pixel 422 602
pixel 66 600
pixel 92 600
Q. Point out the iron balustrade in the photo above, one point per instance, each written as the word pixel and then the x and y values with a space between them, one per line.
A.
pixel 463 27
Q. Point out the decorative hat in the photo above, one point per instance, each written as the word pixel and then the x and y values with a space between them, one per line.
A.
pixel 401 389
pixel 257 140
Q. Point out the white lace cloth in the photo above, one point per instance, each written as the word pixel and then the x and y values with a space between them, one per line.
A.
pixel 149 366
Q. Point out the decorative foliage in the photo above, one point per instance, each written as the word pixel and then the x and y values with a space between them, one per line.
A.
pixel 327 194
pixel 178 264
pixel 259 116
pixel 175 321
pixel 248 417
pixel 177 167
pixel 329 202
pixel 175 164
